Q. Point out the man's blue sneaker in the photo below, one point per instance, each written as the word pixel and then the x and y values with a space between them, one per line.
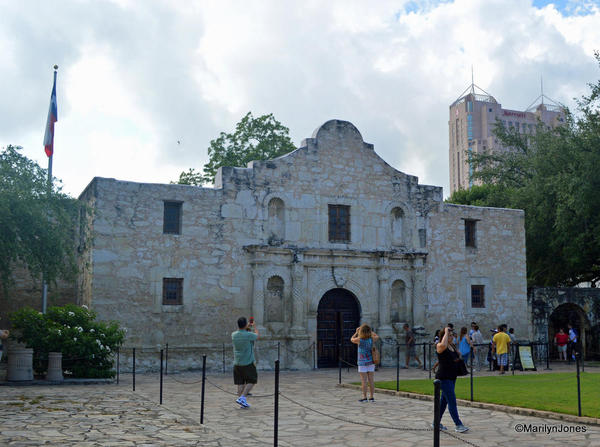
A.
pixel 242 401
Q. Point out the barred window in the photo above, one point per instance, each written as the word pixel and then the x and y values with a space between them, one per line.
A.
pixel 470 233
pixel 172 218
pixel 172 291
pixel 339 223
pixel 477 296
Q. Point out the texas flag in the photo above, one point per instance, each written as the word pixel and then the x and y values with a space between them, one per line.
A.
pixel 52 118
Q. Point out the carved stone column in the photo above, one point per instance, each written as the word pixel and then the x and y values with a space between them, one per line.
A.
pixel 298 296
pixel 383 276
pixel 258 297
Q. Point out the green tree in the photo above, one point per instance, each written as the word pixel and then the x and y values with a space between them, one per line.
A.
pixel 260 138
pixel 554 175
pixel 36 221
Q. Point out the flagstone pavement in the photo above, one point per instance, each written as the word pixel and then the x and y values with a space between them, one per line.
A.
pixel 313 411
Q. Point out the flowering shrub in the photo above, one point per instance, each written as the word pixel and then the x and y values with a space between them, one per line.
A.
pixel 87 345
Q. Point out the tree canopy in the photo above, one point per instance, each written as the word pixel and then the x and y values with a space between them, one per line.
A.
pixel 36 221
pixel 260 138
pixel 554 175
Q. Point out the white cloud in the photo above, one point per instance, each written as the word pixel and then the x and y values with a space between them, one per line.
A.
pixel 136 77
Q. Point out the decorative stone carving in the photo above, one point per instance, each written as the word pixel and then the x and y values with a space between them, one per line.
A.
pixel 297 296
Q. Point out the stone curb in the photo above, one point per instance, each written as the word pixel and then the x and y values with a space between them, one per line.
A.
pixel 489 406
pixel 58 382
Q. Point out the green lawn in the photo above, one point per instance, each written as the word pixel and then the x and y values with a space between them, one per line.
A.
pixel 552 392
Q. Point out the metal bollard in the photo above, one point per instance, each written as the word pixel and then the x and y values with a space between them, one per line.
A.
pixel 514 357
pixel 340 369
pixel 276 412
pixel 430 365
pixel 203 386
pixel 118 363
pixel 548 355
pixel 578 387
pixel 161 375
pixel 436 412
pixel 167 360
pixel 133 369
pixel 471 355
pixel 397 368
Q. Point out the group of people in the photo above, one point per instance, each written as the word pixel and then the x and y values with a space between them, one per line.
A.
pixel 567 342
pixel 470 343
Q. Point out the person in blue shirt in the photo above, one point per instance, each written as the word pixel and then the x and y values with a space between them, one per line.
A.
pixel 244 369
pixel 364 337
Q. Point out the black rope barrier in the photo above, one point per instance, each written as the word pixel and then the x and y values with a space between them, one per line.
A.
pixel 348 421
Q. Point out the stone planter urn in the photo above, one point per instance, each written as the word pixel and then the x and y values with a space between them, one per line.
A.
pixel 20 364
pixel 55 373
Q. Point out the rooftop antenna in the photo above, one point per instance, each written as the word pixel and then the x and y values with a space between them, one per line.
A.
pixel 472 81
pixel 542 87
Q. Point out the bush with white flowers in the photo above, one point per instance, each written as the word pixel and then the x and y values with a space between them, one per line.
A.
pixel 87 345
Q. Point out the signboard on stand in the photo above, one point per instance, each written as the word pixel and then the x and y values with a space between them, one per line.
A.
pixel 526 357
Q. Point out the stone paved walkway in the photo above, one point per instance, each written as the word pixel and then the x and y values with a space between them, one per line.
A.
pixel 114 415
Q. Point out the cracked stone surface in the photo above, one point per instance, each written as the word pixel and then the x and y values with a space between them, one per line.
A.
pixel 322 414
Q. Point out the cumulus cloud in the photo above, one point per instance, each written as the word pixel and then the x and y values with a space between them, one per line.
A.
pixel 137 77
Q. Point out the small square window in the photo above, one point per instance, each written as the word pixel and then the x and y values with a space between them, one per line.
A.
pixel 172 218
pixel 470 233
pixel 478 296
pixel 339 223
pixel 172 291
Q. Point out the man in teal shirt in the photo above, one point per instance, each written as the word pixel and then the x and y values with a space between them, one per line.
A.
pixel 244 370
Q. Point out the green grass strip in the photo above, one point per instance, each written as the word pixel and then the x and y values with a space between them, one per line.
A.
pixel 550 392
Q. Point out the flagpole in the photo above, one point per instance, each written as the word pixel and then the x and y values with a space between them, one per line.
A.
pixel 45 284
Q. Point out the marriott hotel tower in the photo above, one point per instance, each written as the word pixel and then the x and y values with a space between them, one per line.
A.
pixel 471 124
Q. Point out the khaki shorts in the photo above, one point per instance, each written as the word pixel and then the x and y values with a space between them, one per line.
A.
pixel 243 374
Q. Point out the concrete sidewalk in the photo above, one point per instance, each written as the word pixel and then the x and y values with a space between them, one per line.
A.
pixel 313 412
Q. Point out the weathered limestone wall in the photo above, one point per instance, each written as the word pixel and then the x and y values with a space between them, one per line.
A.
pixel 497 262
pixel 27 292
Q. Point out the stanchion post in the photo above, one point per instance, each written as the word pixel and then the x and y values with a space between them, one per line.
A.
pixel 471 358
pixel 424 359
pixel 161 375
pixel 397 367
pixel 578 387
pixel 436 412
pixel 340 366
pixel 276 412
pixel 582 360
pixel 133 369
pixel 548 355
pixel 430 366
pixel 514 357
pixel 203 387
pixel 118 363
pixel 167 360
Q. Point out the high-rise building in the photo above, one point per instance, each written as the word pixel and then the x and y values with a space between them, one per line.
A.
pixel 473 117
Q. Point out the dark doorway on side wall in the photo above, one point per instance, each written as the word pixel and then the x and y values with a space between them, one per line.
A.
pixel 563 315
pixel 338 316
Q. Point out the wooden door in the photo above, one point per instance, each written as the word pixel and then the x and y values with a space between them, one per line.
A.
pixel 338 316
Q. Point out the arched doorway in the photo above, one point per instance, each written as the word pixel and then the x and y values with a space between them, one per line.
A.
pixel 338 316
pixel 562 316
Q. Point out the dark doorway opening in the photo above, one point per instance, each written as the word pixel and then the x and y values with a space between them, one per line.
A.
pixel 563 315
pixel 338 316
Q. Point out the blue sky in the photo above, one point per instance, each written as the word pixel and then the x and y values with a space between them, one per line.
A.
pixel 137 77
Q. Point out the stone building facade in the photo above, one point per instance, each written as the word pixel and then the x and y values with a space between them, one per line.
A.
pixel 310 244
